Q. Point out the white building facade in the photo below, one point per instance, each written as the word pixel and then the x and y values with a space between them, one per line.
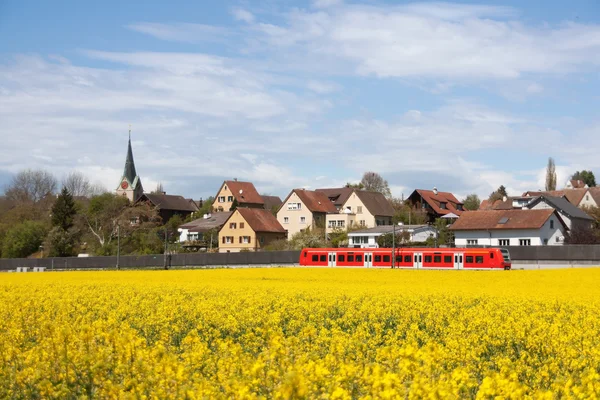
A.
pixel 367 238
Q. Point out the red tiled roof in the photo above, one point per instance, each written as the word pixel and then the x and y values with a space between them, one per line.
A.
pixel 573 195
pixel 249 194
pixel 434 201
pixel 489 220
pixel 315 201
pixel 337 195
pixel 261 220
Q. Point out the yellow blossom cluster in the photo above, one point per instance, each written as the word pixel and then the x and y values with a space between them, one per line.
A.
pixel 301 333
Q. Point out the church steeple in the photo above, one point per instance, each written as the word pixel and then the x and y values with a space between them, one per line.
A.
pixel 130 185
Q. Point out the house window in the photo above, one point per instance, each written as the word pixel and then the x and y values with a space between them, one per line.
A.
pixel 294 206
pixel 340 224
pixel 232 225
pixel 286 220
pixel 228 239
pixel 246 239
pixel 359 209
pixel 262 240
pixel 443 206
pixel 471 242
pixel 221 199
pixel 302 220
pixel 524 242
pixel 230 198
pixel 587 197
pixel 503 242
pixel 362 222
pixel 331 224
pixel 551 224
pixel 241 225
pixel 360 239
pixel 459 207
pixel 545 241
pixel 349 208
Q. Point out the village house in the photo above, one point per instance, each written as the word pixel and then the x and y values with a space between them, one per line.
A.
pixel 304 209
pixel 509 228
pixel 578 197
pixel 573 216
pixel 243 192
pixel 576 184
pixel 249 229
pixel 169 205
pixel 367 238
pixel 362 208
pixel 435 203
pixel 194 231
pixel 337 196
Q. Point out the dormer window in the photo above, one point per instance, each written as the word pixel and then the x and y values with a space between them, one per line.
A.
pixel 551 224
pixel 443 206
pixel 459 207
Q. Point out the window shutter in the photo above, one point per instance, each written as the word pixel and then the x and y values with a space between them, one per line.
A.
pixel 249 239
pixel 223 239
pixel 240 239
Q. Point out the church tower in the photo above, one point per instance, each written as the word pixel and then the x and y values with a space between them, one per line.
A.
pixel 130 185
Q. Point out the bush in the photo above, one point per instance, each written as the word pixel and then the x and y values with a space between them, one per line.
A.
pixel 23 239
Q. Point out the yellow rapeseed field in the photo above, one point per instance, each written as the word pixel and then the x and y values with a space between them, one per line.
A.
pixel 301 333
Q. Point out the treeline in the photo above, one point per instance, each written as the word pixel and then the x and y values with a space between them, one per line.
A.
pixel 40 217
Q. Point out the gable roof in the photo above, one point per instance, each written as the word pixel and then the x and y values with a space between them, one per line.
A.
pixel 376 203
pixel 383 229
pixel 249 195
pixel 595 192
pixel 204 224
pixel 577 184
pixel 260 220
pixel 271 202
pixel 313 200
pixel 169 202
pixel 337 196
pixel 490 220
pixel 573 195
pixel 434 200
pixel 562 204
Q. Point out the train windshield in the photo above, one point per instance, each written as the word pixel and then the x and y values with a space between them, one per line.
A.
pixel 505 255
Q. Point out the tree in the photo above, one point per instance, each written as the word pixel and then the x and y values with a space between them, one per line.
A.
pixel 234 205
pixel 60 242
pixel 586 176
pixel 406 214
pixel 373 182
pixel 102 215
pixel 580 234
pixel 498 194
pixel 63 211
pixel 159 188
pixel 472 202
pixel 387 240
pixel 23 239
pixel 358 186
pixel 31 186
pixel 550 175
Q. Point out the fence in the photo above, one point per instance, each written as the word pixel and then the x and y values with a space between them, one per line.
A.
pixel 566 254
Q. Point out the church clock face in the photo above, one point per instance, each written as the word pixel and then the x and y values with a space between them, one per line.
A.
pixel 124 185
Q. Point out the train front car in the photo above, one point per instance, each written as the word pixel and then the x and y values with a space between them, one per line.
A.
pixel 506 262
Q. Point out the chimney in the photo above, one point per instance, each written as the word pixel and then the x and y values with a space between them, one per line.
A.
pixel 504 198
pixel 435 191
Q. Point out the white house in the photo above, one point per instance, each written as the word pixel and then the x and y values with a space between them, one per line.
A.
pixel 367 238
pixel 573 217
pixel 194 230
pixel 509 228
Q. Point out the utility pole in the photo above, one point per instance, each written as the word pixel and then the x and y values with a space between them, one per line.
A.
pixel 118 244
pixel 166 249
pixel 393 245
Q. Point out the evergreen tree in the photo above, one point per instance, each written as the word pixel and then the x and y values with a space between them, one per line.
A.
pixel 63 211
pixel 550 175
pixel 234 205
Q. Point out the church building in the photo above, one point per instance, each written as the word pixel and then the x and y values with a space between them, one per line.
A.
pixel 130 185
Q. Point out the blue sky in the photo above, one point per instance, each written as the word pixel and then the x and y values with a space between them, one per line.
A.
pixel 462 96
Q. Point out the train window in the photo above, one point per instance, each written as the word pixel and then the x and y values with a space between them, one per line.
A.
pixel 358 258
pixel 491 255
pixel 315 257
pixel 479 260
pixel 386 258
pixel 341 257
pixel 469 259
pixel 408 259
pixel 398 259
pixel 428 259
pixel 437 259
pixel 322 257
pixel 350 258
pixel 305 253
pixel 377 258
pixel 448 259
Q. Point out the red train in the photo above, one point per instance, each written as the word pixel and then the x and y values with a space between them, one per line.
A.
pixel 415 258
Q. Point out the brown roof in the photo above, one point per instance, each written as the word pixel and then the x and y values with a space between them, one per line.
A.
pixel 595 192
pixel 338 196
pixel 485 205
pixel 314 201
pixel 261 220
pixel 573 195
pixel 271 202
pixel 249 194
pixel 169 202
pixel 215 220
pixel 490 220
pixel 434 201
pixel 376 203
pixel 577 183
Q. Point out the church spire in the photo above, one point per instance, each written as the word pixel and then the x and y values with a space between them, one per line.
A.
pixel 129 171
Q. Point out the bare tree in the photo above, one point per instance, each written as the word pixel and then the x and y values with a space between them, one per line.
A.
pixel 373 182
pixel 550 175
pixel 31 186
pixel 159 188
pixel 77 184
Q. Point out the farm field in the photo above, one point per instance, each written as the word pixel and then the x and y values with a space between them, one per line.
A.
pixel 300 333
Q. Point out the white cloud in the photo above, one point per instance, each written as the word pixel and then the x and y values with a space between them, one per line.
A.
pixel 326 3
pixel 242 15
pixel 322 87
pixel 181 32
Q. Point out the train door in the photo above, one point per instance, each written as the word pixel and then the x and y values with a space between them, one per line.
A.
pixel 368 260
pixel 331 260
pixel 459 261
pixel 418 260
